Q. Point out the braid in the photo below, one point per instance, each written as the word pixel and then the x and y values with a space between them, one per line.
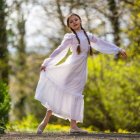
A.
pixel 78 47
pixel 90 50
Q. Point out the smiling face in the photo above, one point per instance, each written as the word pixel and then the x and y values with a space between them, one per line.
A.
pixel 74 22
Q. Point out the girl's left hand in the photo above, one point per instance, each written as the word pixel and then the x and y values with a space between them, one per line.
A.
pixel 123 53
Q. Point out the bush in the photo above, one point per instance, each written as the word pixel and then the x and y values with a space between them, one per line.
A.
pixel 27 124
pixel 112 99
pixel 4 106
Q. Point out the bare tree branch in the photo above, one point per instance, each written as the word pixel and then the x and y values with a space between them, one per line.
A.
pixel 129 2
pixel 60 14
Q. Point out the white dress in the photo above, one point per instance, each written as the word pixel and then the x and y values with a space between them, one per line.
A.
pixel 60 87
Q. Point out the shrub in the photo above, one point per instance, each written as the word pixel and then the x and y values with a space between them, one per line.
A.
pixel 4 106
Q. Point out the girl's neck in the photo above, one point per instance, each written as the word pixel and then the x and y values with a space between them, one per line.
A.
pixel 78 30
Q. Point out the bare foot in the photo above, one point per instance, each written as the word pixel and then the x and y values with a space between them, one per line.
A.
pixel 40 128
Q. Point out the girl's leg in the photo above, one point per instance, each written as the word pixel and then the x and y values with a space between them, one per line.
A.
pixel 44 122
pixel 73 124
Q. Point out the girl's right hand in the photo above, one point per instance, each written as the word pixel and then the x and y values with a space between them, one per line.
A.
pixel 123 53
pixel 43 68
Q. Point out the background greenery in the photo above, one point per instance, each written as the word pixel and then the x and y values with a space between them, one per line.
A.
pixel 4 106
pixel 112 92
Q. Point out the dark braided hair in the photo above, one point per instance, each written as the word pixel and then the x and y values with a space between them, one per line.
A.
pixel 90 49
pixel 78 47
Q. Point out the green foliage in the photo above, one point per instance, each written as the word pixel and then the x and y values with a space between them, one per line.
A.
pixel 4 106
pixel 133 30
pixel 112 94
pixel 30 123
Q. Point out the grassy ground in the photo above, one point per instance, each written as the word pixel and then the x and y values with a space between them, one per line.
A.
pixel 25 130
pixel 67 136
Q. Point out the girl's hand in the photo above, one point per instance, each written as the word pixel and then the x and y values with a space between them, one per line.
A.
pixel 123 53
pixel 43 68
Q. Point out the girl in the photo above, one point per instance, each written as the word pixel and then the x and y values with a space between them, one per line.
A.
pixel 60 86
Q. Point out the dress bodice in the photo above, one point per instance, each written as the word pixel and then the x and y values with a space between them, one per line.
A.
pixel 84 45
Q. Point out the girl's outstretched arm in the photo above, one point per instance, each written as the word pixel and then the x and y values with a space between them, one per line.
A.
pixel 105 47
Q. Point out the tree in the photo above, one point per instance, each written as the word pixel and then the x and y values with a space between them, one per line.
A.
pixel 4 68
pixel 18 63
pixel 133 29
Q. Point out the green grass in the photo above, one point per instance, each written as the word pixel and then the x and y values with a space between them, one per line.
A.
pixel 30 124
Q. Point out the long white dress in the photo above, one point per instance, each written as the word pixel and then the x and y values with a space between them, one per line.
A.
pixel 60 87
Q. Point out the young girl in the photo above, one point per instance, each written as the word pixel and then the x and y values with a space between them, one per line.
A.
pixel 60 86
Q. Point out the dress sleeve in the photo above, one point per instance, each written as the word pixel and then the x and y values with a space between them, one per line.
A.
pixel 103 46
pixel 60 52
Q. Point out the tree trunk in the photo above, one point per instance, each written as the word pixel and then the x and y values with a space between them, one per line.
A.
pixel 3 44
pixel 114 19
pixel 18 110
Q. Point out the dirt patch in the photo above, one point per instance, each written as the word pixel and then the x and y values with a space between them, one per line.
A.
pixel 67 136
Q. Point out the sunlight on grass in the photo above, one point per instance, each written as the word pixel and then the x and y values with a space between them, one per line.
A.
pixel 123 131
pixel 30 123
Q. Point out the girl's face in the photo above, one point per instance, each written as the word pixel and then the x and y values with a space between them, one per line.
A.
pixel 74 23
